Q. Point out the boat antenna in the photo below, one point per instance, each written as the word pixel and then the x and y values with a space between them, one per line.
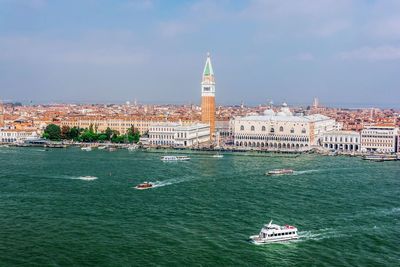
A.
pixel 270 223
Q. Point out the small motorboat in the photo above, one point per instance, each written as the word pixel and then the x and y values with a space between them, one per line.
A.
pixel 102 147
pixel 88 178
pixel 86 148
pixel 280 172
pixel 218 156
pixel 144 185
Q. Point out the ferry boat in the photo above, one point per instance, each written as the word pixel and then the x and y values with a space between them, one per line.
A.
pixel 144 185
pixel 380 157
pixel 280 172
pixel 175 158
pixel 271 233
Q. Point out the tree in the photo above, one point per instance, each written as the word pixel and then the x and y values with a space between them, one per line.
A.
pixel 65 132
pixel 133 135
pixel 108 133
pixel 52 132
pixel 74 133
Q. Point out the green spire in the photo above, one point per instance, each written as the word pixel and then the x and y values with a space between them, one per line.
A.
pixel 208 70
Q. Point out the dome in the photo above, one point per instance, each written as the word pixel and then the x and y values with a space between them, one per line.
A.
pixel 269 112
pixel 285 110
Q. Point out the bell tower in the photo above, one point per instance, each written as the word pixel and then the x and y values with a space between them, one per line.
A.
pixel 208 96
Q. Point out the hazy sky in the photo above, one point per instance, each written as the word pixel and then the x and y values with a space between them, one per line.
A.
pixel 343 51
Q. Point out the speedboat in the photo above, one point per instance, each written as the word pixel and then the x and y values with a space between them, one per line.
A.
pixel 218 156
pixel 88 178
pixel 86 148
pixel 271 233
pixel 144 185
pixel 101 147
pixel 280 172
pixel 175 158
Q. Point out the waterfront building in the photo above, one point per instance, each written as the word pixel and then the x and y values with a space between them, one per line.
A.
pixel 398 143
pixel 17 136
pixel 379 138
pixel 178 135
pixel 281 131
pixel 346 141
pixel 208 96
pixel 1 115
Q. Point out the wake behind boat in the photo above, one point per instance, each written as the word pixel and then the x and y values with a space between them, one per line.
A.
pixel 271 233
pixel 280 172
pixel 175 158
pixel 144 185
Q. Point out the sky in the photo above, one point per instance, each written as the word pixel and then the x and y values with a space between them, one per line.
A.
pixel 110 51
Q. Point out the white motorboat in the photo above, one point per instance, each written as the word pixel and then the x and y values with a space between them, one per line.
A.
pixel 86 148
pixel 175 158
pixel 280 172
pixel 133 147
pixel 271 233
pixel 102 147
pixel 218 156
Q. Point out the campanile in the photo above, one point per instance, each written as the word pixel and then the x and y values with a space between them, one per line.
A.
pixel 208 96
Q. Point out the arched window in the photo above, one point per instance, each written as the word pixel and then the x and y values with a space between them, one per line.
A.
pixel 292 130
pixel 252 128
pixel 242 128
pixel 263 128
pixel 303 130
pixel 272 130
pixel 281 129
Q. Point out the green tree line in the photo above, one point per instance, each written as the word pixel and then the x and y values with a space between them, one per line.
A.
pixel 56 133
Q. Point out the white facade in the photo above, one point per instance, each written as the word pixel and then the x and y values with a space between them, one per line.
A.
pixel 175 134
pixel 192 135
pixel 379 138
pixel 281 131
pixel 16 136
pixel 347 141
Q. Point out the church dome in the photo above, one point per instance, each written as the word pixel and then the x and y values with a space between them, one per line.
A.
pixel 269 112
pixel 285 110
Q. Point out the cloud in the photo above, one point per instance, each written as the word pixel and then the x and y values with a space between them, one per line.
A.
pixel 387 28
pixel 93 51
pixel 331 27
pixel 372 53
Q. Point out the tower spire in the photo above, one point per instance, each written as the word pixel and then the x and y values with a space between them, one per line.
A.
pixel 208 70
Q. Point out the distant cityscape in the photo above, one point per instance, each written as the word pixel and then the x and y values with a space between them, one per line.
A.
pixel 266 127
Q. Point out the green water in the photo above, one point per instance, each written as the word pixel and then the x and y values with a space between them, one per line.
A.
pixel 202 212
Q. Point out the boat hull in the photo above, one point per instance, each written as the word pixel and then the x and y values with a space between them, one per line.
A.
pixel 260 241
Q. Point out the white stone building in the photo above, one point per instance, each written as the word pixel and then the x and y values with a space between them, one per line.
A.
pixel 281 131
pixel 346 141
pixel 178 135
pixel 379 138
pixel 17 136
